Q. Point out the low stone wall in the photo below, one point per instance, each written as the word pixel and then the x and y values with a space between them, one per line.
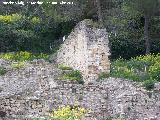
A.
pixel 86 49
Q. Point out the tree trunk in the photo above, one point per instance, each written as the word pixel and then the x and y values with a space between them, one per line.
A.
pixel 99 11
pixel 146 34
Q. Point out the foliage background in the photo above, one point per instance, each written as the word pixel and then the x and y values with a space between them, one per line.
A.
pixel 40 28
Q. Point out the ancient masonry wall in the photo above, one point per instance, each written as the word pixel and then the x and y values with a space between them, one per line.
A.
pixel 86 49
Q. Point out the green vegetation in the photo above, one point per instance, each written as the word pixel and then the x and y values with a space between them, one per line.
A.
pixel 22 56
pixel 22 32
pixel 40 28
pixel 18 59
pixel 144 69
pixel 2 71
pixel 72 75
pixel 10 18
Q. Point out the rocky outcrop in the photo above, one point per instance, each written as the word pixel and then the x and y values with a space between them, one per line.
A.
pixel 86 49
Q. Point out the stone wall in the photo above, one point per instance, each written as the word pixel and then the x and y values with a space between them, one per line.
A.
pixel 63 93
pixel 86 49
pixel 105 100
pixel 34 90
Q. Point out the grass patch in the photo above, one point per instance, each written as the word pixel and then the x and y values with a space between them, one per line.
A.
pixel 2 71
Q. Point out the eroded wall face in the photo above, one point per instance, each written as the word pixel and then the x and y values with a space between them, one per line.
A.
pixel 86 49
pixel 98 52
pixel 73 51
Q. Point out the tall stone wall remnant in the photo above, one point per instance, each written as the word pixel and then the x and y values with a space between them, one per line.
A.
pixel 86 49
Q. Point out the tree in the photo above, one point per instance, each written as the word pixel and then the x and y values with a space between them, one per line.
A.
pixel 148 8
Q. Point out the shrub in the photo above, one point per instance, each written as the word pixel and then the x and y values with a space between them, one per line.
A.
pixel 7 56
pixel 2 71
pixel 68 112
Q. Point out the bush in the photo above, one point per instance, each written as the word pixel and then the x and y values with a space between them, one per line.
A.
pixel 2 71
pixel 20 32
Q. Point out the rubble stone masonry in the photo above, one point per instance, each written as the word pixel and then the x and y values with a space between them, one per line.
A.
pixel 35 91
pixel 86 49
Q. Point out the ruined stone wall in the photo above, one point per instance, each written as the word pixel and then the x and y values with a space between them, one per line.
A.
pixel 34 90
pixel 110 99
pixel 86 49
pixel 63 93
